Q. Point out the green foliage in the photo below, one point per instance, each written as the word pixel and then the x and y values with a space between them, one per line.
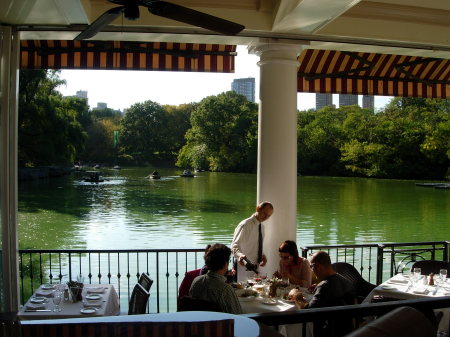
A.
pixel 223 135
pixel 50 127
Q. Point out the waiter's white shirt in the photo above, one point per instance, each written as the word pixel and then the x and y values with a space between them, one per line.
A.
pixel 245 242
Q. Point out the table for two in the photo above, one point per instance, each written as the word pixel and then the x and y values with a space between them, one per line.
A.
pixel 402 288
pixel 98 300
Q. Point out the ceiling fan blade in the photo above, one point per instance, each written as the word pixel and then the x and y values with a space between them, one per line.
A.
pixel 193 17
pixel 102 21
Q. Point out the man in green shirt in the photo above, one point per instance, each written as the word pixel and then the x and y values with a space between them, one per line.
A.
pixel 211 286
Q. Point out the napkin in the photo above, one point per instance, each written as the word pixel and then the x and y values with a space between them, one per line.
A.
pixel 44 293
pixel 398 281
pixel 423 291
pixel 96 304
pixel 32 306
pixel 95 290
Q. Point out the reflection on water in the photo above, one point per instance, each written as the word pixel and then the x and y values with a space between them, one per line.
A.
pixel 129 210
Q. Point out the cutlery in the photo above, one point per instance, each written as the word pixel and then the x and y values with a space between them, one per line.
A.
pixel 37 310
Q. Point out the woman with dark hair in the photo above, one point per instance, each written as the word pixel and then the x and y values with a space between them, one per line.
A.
pixel 297 269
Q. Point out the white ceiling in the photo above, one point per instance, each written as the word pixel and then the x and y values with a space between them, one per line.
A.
pixel 410 27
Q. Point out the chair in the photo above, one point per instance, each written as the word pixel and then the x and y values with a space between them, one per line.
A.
pixel 431 266
pixel 145 281
pixel 401 322
pixel 187 303
pixel 187 281
pixel 361 288
pixel 138 300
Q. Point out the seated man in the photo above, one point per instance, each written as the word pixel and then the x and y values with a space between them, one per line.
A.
pixel 211 286
pixel 332 290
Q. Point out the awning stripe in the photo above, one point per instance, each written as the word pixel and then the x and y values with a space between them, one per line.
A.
pixel 329 71
pixel 125 55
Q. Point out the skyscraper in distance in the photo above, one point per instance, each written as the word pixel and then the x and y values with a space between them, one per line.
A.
pixel 244 86
pixel 348 100
pixel 368 102
pixel 323 100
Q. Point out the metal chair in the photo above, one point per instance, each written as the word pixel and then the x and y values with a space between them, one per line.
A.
pixel 431 266
pixel 361 288
pixel 138 300
pixel 145 281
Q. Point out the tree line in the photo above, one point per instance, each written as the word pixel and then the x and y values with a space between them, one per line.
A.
pixel 409 138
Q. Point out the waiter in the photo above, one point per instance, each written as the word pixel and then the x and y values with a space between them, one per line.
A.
pixel 248 240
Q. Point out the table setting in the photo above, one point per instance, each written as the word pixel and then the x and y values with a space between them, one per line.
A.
pixel 64 301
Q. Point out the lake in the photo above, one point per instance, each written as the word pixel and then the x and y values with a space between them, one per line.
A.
pixel 129 210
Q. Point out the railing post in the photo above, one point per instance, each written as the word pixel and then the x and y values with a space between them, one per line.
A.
pixel 380 250
pixel 304 252
pixel 445 252
pixel 70 266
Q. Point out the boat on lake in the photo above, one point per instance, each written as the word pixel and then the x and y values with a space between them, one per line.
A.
pixel 154 175
pixel 439 186
pixel 117 167
pixel 94 177
pixel 187 174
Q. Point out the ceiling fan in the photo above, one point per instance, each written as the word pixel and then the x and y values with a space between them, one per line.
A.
pixel 130 10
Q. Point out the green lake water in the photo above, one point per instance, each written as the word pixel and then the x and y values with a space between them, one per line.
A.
pixel 130 211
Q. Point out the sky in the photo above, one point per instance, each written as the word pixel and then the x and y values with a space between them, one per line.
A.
pixel 122 88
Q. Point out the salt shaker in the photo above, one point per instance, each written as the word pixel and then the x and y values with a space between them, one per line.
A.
pixel 66 294
pixel 431 279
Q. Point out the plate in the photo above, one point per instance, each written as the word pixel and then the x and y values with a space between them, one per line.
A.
pixel 47 286
pixel 93 297
pixel 287 301
pixel 88 310
pixel 246 299
pixel 388 287
pixel 269 302
pixel 37 300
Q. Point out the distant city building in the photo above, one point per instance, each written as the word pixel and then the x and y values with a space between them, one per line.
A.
pixel 348 100
pixel 323 100
pixel 368 102
pixel 82 94
pixel 244 86
pixel 101 105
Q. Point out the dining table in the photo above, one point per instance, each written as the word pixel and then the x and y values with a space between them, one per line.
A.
pixel 262 303
pixel 408 287
pixel 97 300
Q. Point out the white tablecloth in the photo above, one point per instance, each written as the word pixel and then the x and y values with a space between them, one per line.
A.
pixel 258 306
pixel 398 287
pixel 107 305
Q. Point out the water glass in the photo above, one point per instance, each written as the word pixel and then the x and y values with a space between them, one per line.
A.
pixel 80 278
pixel 417 274
pixel 443 274
pixel 57 301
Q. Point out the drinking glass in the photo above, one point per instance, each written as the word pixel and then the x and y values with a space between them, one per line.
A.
pixel 80 278
pixel 57 301
pixel 443 274
pixel 417 274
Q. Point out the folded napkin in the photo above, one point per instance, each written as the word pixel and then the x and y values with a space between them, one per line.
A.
pixel 398 281
pixel 32 306
pixel 44 293
pixel 423 291
pixel 95 290
pixel 96 304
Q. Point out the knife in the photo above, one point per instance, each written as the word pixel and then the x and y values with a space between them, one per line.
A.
pixel 37 310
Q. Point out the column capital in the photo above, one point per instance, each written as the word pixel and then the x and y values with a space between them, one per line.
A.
pixel 276 50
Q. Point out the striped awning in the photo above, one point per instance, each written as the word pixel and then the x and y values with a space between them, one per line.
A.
pixel 122 55
pixel 340 72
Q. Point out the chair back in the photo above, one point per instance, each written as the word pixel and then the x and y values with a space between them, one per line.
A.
pixel 403 321
pixel 217 328
pixel 361 288
pixel 145 281
pixel 187 282
pixel 187 303
pixel 138 300
pixel 431 266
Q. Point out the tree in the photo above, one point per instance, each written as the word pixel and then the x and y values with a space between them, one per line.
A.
pixel 223 135
pixel 49 125
pixel 145 134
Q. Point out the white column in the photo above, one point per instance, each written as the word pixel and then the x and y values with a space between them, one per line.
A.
pixel 277 141
pixel 9 53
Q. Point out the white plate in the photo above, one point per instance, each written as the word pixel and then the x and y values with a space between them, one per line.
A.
pixel 388 287
pixel 93 297
pixel 88 310
pixel 37 300
pixel 270 302
pixel 246 299
pixel 47 286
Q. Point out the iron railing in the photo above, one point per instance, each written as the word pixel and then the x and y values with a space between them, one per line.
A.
pixel 166 267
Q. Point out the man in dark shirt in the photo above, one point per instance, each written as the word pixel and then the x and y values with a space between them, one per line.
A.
pixel 332 290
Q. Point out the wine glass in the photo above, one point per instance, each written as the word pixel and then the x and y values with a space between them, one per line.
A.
pixel 57 301
pixel 417 274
